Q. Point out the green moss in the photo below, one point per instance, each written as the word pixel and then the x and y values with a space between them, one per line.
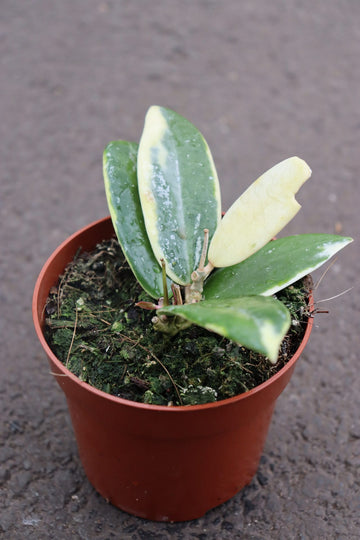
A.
pixel 94 327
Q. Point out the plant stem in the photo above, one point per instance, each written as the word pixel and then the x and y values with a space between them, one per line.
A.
pixel 176 294
pixel 204 250
pixel 166 296
pixel 194 292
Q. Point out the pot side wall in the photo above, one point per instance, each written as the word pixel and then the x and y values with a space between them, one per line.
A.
pixel 160 463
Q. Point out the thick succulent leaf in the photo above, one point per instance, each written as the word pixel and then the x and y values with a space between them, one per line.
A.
pixel 259 213
pixel 119 166
pixel 256 322
pixel 179 190
pixel 275 266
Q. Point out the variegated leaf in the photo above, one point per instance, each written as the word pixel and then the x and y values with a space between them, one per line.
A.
pixel 259 213
pixel 256 322
pixel 179 190
pixel 120 177
pixel 277 265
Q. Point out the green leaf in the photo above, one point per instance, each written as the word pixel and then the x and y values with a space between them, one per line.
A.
pixel 256 322
pixel 120 177
pixel 277 265
pixel 179 190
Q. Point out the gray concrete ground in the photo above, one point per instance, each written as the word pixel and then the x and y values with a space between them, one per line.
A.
pixel 263 81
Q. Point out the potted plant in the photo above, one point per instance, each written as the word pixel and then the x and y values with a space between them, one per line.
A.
pixel 174 462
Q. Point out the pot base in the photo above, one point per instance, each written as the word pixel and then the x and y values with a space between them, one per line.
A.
pixel 175 472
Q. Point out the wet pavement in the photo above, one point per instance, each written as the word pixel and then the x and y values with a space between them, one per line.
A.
pixel 263 81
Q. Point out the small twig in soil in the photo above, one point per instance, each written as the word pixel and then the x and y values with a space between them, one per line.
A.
pixel 59 296
pixel 73 337
pixel 126 338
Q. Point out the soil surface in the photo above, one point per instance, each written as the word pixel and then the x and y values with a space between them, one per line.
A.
pixel 96 328
pixel 263 81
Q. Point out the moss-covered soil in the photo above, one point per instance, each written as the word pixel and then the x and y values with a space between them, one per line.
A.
pixel 95 329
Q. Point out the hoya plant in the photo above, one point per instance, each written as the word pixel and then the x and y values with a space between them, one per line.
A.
pixel 220 273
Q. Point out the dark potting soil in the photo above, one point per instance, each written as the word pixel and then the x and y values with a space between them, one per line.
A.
pixel 95 329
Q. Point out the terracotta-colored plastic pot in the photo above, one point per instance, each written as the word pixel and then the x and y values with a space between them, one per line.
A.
pixel 160 463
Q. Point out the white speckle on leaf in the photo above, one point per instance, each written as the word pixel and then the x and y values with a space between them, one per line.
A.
pixel 198 250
